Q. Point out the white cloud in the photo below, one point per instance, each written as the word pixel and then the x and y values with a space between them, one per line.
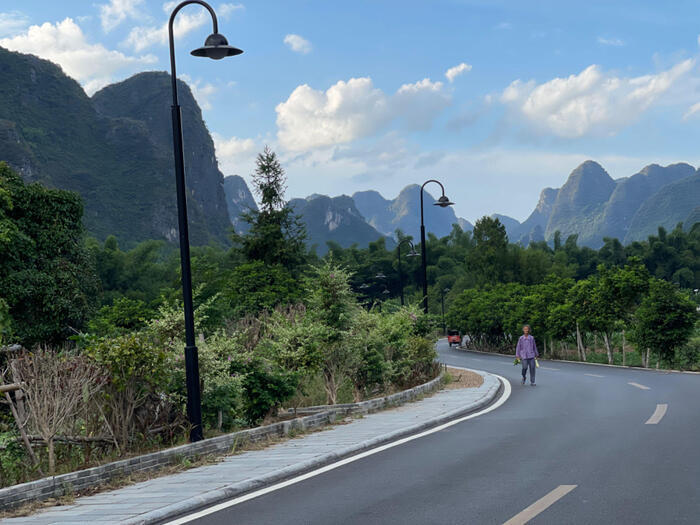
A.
pixel 201 92
pixel 64 43
pixel 12 23
pixel 117 11
pixel 354 109
pixel 235 155
pixel 457 70
pixel 142 37
pixel 226 10
pixel 297 44
pixel 692 110
pixel 416 105
pixel 617 42
pixel 346 111
pixel 591 102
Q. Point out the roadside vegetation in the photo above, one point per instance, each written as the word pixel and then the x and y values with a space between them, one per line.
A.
pixel 93 335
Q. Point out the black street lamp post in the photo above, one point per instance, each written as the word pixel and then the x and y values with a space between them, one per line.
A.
pixel 412 253
pixel 215 47
pixel 443 202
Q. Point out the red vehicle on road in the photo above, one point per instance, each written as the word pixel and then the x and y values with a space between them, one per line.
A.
pixel 453 336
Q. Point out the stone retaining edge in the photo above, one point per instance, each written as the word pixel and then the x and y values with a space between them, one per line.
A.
pixel 69 483
pixel 214 497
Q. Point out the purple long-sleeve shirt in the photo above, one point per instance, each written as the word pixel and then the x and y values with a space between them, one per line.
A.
pixel 526 348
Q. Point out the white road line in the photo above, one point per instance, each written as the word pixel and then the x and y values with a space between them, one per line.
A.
pixel 540 505
pixel 548 368
pixel 221 506
pixel 593 375
pixel 639 386
pixel 658 414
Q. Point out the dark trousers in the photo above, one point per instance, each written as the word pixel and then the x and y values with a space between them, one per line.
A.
pixel 531 364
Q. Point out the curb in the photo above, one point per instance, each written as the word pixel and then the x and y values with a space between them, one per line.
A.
pixel 626 367
pixel 238 489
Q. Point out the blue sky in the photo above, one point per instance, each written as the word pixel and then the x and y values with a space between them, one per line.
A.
pixel 496 99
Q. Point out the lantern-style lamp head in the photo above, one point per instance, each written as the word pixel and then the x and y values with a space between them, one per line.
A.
pixel 443 202
pixel 216 47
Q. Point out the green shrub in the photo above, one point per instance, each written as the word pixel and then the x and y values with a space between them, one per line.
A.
pixel 223 392
pixel 14 463
pixel 687 357
pixel 266 386
pixel 124 315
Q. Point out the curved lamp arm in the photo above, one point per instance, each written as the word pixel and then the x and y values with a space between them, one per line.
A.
pixel 404 241
pixel 421 195
pixel 172 38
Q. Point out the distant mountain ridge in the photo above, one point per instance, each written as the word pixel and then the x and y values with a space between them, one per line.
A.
pixel 114 149
pixel 239 200
pixel 403 212
pixel 334 219
pixel 593 206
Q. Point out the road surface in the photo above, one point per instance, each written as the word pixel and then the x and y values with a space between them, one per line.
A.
pixel 589 444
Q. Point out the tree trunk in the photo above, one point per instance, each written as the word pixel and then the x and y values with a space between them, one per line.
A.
pixel 624 362
pixel 331 387
pixel 595 343
pixel 646 359
pixel 606 340
pixel 544 352
pixel 52 457
pixel 23 433
pixel 19 394
pixel 579 343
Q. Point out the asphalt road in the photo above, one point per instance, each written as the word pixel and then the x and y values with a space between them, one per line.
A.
pixel 582 432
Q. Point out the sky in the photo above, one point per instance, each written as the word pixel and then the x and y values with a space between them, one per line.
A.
pixel 496 99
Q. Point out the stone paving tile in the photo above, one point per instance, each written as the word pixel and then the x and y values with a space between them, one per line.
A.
pixel 150 495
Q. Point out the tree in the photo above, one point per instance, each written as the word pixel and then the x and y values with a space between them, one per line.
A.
pixel 664 321
pixel 57 387
pixel 47 276
pixel 489 257
pixel 256 286
pixel 276 234
pixel 332 303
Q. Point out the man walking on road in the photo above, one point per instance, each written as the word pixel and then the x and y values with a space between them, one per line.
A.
pixel 527 352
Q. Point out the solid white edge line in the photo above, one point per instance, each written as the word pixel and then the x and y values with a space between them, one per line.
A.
pixel 641 387
pixel 540 505
pixel 658 414
pixel 221 506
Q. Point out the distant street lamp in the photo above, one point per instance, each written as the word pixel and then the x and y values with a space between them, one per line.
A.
pixel 215 47
pixel 443 202
pixel 412 253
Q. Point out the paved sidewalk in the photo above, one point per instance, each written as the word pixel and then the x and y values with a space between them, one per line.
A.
pixel 166 497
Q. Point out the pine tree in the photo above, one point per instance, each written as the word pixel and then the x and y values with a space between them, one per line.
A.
pixel 276 234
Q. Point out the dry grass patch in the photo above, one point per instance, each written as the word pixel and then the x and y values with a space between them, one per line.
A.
pixel 463 379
